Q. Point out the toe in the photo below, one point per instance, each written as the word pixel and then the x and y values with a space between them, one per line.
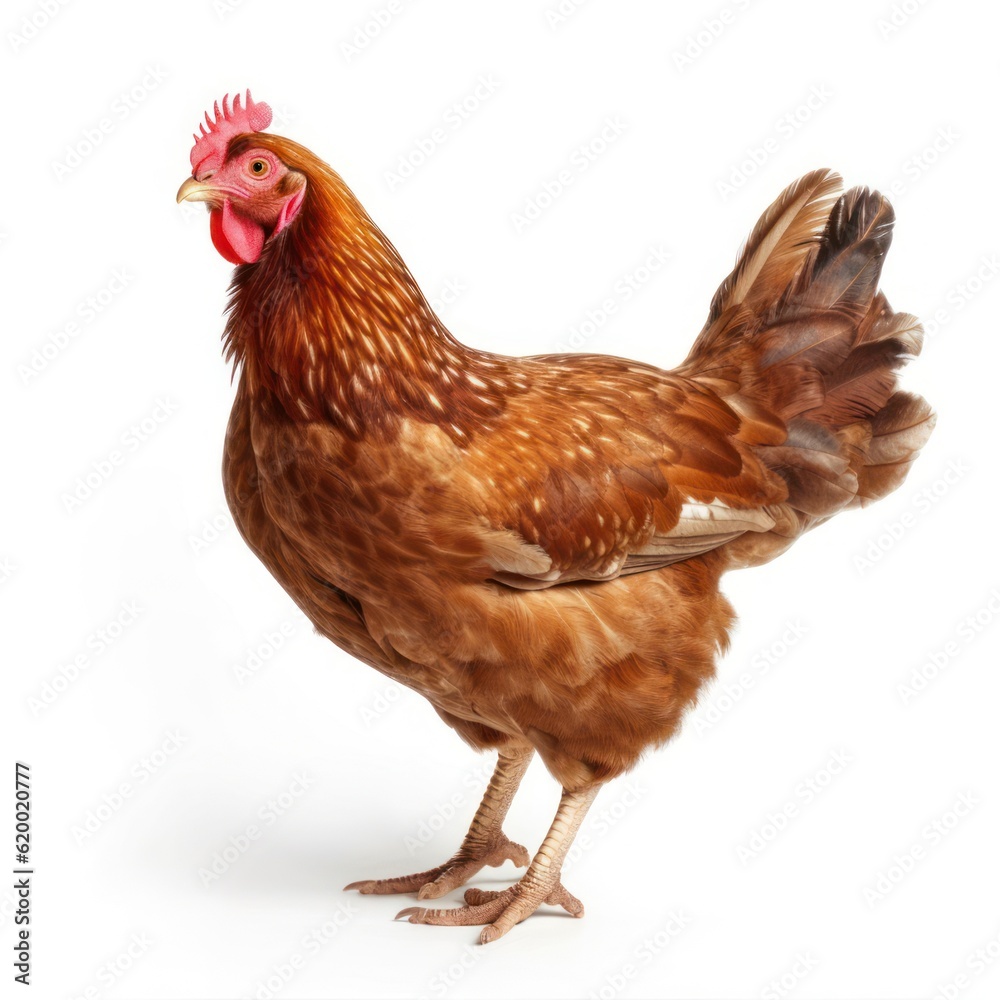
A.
pixel 453 873
pixel 389 886
pixel 459 916
pixel 500 911
pixel 368 886
pixel 491 932
pixel 561 897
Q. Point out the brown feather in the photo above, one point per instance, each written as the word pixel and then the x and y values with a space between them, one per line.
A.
pixel 899 430
pixel 785 237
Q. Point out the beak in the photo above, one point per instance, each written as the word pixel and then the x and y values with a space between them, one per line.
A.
pixel 195 190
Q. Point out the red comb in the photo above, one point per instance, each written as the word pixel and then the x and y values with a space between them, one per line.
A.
pixel 209 148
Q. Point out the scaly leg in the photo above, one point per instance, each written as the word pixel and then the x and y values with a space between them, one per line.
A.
pixel 540 883
pixel 484 844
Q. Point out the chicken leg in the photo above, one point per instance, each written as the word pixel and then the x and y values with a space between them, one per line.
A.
pixel 540 883
pixel 484 844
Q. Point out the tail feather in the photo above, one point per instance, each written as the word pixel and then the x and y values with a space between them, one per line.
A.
pixel 786 235
pixel 815 343
pixel 899 430
pixel 849 262
pixel 859 385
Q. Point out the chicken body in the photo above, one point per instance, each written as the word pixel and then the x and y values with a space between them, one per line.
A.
pixel 536 544
pixel 591 674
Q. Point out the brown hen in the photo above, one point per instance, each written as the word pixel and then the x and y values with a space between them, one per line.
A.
pixel 535 544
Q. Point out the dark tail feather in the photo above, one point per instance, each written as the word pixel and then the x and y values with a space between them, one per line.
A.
pixel 801 327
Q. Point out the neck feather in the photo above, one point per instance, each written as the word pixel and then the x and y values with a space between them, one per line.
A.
pixel 332 324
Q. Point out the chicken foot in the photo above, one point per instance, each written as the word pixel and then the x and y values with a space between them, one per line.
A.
pixel 484 844
pixel 540 883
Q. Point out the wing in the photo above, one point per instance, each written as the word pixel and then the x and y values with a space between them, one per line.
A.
pixel 598 467
pixel 608 467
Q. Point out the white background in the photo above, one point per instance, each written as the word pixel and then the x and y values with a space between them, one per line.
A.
pixel 909 107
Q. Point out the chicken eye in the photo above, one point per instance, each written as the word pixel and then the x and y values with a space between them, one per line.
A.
pixel 259 168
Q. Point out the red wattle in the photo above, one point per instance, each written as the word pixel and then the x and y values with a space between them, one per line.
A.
pixel 239 239
pixel 219 237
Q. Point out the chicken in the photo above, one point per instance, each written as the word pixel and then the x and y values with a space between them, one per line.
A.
pixel 536 544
